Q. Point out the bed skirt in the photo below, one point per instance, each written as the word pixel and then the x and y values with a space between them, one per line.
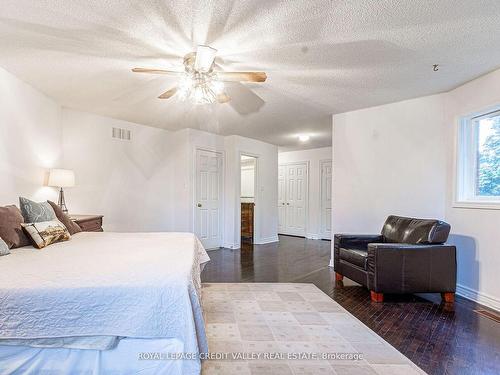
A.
pixel 130 356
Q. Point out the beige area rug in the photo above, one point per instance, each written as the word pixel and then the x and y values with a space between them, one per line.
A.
pixel 278 329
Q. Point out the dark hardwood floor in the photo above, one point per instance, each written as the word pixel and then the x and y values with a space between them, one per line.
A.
pixel 438 339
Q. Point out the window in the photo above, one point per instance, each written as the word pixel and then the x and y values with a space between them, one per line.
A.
pixel 478 183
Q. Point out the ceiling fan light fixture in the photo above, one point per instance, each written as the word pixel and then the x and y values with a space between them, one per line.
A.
pixel 205 57
pixel 200 88
pixel 186 82
pixel 199 83
pixel 217 86
pixel 198 96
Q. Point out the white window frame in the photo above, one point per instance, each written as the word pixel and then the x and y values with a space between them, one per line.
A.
pixel 466 163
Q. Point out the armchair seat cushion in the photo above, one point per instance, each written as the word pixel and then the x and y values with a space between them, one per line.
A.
pixel 357 257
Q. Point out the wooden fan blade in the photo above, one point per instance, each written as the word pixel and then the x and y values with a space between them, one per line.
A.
pixel 223 98
pixel 154 71
pixel 168 94
pixel 242 76
pixel 244 101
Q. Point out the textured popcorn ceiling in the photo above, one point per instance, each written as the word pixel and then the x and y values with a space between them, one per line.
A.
pixel 322 57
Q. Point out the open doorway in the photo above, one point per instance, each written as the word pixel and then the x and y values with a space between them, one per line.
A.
pixel 248 192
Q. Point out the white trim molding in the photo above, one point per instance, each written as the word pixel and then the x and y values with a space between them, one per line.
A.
pixel 265 240
pixel 479 205
pixel 325 236
pixel 481 298
pixel 231 246
pixel 256 199
pixel 465 160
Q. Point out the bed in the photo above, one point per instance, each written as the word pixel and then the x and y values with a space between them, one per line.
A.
pixel 103 303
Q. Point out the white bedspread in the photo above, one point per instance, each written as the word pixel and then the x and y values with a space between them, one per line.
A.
pixel 138 285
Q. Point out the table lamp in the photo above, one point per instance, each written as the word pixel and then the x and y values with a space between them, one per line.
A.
pixel 61 178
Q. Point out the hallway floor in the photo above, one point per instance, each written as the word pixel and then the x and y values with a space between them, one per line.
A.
pixel 438 340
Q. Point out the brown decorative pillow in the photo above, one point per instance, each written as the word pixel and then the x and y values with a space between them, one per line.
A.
pixel 63 218
pixel 11 230
pixel 46 233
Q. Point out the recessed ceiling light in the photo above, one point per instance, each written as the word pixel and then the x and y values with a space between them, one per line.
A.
pixel 304 137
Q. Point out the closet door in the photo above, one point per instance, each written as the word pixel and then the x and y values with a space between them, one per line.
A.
pixel 281 199
pixel 295 202
pixel 326 199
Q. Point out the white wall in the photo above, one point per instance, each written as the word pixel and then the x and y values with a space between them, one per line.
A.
pixel 182 181
pixel 129 182
pixel 313 157
pixel 266 215
pixel 474 231
pixel 30 140
pixel 266 196
pixel 146 184
pixel 388 160
pixel 400 158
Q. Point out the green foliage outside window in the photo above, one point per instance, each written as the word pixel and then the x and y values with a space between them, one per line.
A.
pixel 489 163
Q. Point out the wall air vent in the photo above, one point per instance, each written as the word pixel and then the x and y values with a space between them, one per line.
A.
pixel 123 134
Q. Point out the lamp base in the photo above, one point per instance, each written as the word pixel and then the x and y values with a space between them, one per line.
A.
pixel 62 203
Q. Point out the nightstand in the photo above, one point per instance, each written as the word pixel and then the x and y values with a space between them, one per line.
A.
pixel 88 223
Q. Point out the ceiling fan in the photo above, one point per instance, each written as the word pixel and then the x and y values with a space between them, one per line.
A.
pixel 200 83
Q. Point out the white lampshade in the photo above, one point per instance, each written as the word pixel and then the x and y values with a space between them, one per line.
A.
pixel 61 178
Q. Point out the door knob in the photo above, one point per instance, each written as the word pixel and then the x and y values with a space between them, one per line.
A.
pixel 283 203
pixel 199 204
pixel 288 204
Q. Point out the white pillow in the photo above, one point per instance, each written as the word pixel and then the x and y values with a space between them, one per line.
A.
pixel 47 232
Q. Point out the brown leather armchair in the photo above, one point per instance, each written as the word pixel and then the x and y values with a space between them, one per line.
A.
pixel 409 256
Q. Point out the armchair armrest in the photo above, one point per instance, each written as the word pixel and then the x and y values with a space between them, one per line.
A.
pixel 356 240
pixel 407 268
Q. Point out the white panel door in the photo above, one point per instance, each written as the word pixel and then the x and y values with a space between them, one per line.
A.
pixel 281 199
pixel 292 198
pixel 208 210
pixel 326 199
pixel 296 192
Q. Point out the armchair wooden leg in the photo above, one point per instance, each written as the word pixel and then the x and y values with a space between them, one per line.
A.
pixel 338 277
pixel 376 297
pixel 448 297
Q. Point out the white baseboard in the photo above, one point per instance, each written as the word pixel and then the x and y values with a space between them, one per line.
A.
pixel 257 242
pixel 231 246
pixel 265 240
pixel 312 236
pixel 481 298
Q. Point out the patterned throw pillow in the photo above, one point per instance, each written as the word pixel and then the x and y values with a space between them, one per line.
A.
pixel 72 227
pixel 4 249
pixel 34 212
pixel 47 232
